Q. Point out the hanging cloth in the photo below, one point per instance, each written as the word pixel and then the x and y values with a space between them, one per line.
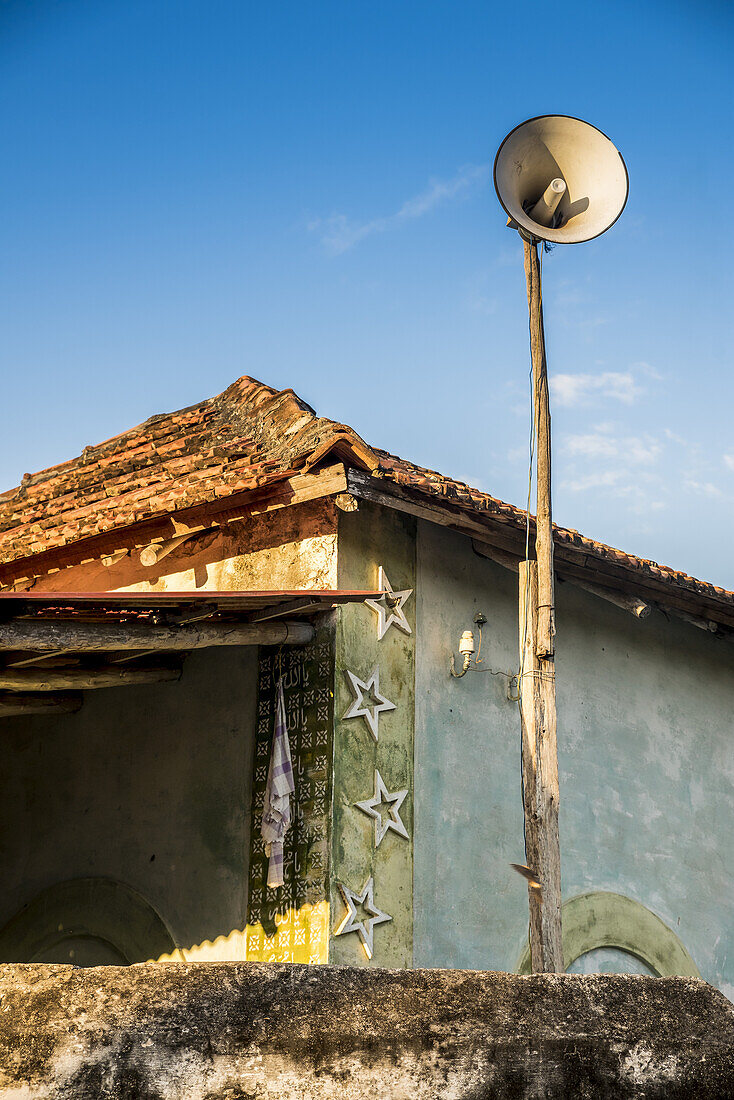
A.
pixel 280 786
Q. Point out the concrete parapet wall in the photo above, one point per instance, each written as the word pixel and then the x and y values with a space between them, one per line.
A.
pixel 259 1032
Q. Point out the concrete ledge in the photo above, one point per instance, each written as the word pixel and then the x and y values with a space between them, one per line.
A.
pixel 257 1032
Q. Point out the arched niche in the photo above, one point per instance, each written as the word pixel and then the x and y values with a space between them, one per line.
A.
pixel 87 921
pixel 605 919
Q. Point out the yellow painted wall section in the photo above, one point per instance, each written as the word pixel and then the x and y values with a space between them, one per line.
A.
pixel 302 937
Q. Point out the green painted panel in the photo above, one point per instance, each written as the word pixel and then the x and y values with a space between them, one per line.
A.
pixel 369 538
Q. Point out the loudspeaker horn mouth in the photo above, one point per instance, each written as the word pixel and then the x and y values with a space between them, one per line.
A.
pixel 560 179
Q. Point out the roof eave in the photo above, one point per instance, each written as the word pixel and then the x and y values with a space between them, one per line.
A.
pixel 575 560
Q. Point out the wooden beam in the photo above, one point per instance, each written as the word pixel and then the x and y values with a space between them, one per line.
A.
pixel 83 679
pixel 301 606
pixel 134 655
pixel 539 782
pixel 633 604
pixel 694 620
pixel 36 659
pixel 446 515
pixel 108 560
pixel 649 590
pixel 345 502
pixel 156 551
pixel 72 636
pixel 501 557
pixel 13 704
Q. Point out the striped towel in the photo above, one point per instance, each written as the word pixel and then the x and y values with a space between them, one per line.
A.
pixel 280 787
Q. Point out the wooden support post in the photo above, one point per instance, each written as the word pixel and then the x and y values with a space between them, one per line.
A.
pixel 538 684
pixel 539 783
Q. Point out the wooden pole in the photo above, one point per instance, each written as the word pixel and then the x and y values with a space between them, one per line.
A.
pixel 543 515
pixel 537 683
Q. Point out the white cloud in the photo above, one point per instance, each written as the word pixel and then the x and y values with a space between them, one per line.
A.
pixel 582 389
pixel 623 465
pixel 593 445
pixel 340 233
pixel 642 451
pixel 599 480
pixel 674 438
pixel 649 370
pixel 635 450
pixel 628 467
pixel 703 488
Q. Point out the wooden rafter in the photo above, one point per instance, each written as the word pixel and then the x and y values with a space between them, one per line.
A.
pixel 18 703
pixel 85 679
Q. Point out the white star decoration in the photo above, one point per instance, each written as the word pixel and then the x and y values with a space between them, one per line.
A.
pixel 389 607
pixel 394 801
pixel 368 703
pixel 363 928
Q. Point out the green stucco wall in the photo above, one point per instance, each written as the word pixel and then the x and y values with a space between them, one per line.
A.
pixel 369 538
pixel 645 738
pixel 148 785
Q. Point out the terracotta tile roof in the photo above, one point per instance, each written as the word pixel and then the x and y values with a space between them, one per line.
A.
pixel 243 439
pixel 246 438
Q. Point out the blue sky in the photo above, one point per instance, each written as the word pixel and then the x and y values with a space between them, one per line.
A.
pixel 198 189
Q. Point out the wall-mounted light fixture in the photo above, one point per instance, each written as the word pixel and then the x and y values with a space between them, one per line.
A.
pixel 467 648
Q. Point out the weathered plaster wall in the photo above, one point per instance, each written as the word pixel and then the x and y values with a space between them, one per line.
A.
pixel 470 907
pixel 369 538
pixel 222 1032
pixel 645 734
pixel 149 785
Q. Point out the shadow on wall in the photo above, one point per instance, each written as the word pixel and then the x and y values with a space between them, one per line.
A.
pixel 103 922
pixel 86 922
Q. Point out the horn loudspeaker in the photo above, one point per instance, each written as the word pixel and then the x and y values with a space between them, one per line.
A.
pixel 560 179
